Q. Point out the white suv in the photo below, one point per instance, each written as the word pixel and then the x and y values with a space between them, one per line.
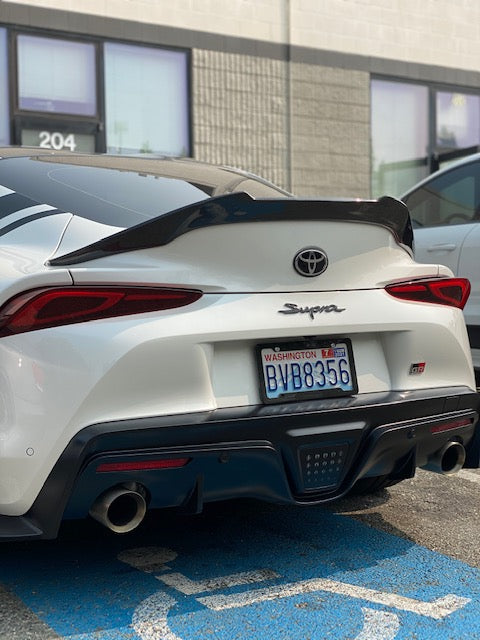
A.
pixel 445 211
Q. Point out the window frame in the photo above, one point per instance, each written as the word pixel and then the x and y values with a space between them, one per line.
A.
pixel 188 81
pixel 21 119
pixel 5 64
pixel 14 68
pixel 434 156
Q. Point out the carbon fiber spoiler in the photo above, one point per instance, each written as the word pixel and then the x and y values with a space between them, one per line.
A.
pixel 237 208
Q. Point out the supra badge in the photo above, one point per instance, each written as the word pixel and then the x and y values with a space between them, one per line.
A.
pixel 291 307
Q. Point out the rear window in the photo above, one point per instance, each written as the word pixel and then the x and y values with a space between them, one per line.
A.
pixel 114 197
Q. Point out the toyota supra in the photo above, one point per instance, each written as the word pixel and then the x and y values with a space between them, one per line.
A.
pixel 174 333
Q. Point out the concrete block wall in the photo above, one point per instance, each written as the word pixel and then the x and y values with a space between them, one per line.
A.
pixel 406 30
pixel 434 32
pixel 330 131
pixel 261 19
pixel 308 131
pixel 240 112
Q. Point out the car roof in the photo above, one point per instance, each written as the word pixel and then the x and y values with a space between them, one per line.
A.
pixel 220 178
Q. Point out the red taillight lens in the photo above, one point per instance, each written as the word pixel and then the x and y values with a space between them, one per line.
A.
pixel 453 292
pixel 142 465
pixel 42 308
pixel 449 426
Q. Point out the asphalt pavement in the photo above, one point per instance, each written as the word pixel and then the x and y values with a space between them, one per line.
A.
pixel 439 512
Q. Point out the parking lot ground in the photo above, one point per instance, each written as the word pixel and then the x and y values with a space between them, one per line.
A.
pixel 437 511
pixel 398 565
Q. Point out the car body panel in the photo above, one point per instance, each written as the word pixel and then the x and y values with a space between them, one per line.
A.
pixel 442 244
pixel 258 257
pixel 469 265
pixel 86 370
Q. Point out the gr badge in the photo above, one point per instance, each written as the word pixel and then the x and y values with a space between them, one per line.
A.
pixel 417 368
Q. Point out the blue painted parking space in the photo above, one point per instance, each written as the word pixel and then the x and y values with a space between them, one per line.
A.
pixel 280 573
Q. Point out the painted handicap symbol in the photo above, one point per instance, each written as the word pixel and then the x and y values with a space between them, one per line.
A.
pixel 150 618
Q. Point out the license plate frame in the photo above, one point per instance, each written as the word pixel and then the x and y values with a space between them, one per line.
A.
pixel 314 349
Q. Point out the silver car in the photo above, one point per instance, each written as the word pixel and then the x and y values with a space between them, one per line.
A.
pixel 445 211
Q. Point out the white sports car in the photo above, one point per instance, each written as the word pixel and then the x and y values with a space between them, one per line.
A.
pixel 173 333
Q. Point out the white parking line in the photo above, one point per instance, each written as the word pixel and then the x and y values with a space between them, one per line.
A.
pixel 150 618
pixel 437 609
pixel 378 625
pixel 190 587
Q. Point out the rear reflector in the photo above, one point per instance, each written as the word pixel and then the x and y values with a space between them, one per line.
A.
pixel 449 426
pixel 142 465
pixel 43 308
pixel 452 292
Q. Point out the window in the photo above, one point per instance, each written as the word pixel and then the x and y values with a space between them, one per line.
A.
pixel 56 76
pixel 457 123
pixel 399 136
pixel 4 114
pixel 104 194
pixel 417 129
pixel 146 100
pixel 451 198
pixel 85 94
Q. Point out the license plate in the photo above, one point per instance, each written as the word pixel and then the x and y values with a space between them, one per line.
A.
pixel 310 369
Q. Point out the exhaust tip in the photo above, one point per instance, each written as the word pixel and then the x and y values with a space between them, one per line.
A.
pixel 120 509
pixel 448 460
pixel 452 457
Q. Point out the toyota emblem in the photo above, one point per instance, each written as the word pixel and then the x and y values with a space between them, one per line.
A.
pixel 310 262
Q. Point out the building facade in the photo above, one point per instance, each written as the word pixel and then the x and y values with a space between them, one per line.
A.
pixel 347 98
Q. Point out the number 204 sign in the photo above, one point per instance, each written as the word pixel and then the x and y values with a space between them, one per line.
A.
pixel 58 140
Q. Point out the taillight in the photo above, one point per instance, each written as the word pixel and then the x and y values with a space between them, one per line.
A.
pixel 142 465
pixel 43 308
pixel 453 424
pixel 452 292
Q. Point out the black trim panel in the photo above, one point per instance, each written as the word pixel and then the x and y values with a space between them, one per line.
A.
pixel 474 336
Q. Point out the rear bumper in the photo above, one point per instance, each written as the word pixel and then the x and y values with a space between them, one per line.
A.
pixel 302 453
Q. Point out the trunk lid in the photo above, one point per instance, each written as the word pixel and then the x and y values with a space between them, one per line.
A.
pixel 237 244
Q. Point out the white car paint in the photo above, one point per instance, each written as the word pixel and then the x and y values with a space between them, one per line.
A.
pixel 456 247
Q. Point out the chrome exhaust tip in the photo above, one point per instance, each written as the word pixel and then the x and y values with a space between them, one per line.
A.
pixel 120 509
pixel 450 459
